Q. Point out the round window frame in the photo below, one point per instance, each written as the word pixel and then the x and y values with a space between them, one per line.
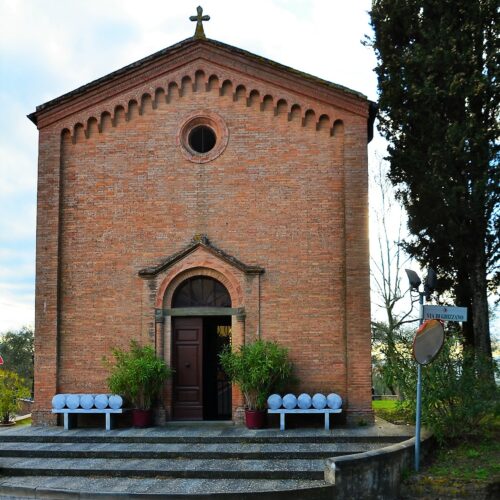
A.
pixel 208 119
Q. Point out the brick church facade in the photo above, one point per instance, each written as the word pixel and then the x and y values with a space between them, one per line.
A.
pixel 203 189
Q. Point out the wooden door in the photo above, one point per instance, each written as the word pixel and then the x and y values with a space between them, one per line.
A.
pixel 187 360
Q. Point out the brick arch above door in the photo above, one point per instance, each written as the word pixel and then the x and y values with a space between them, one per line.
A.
pixel 207 267
pixel 200 258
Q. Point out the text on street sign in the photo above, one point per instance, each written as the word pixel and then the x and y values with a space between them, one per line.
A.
pixel 445 313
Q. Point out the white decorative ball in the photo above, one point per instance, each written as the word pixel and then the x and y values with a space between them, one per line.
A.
pixel 115 401
pixel 274 401
pixel 86 401
pixel 58 401
pixel 72 401
pixel 289 401
pixel 101 401
pixel 304 401
pixel 319 401
pixel 334 401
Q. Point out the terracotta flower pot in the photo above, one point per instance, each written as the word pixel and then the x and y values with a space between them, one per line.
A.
pixel 256 419
pixel 142 418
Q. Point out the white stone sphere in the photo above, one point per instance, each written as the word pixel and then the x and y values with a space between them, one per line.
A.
pixel 304 401
pixel 59 401
pixel 274 401
pixel 319 401
pixel 115 401
pixel 72 401
pixel 289 401
pixel 86 401
pixel 101 401
pixel 334 401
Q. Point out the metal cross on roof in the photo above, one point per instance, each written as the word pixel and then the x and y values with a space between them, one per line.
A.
pixel 199 18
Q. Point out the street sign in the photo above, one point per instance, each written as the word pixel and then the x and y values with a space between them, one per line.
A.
pixel 445 313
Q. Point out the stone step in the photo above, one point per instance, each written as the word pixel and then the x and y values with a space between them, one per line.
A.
pixel 166 468
pixel 165 435
pixel 183 450
pixel 71 487
pixel 178 461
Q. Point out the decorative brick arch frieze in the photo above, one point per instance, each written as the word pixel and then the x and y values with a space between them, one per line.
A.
pixel 130 105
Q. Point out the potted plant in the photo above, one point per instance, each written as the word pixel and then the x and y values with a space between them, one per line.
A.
pixel 138 375
pixel 258 368
pixel 12 388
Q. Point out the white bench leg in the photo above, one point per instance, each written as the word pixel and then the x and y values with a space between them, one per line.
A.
pixel 69 421
pixel 108 421
pixel 282 421
pixel 327 421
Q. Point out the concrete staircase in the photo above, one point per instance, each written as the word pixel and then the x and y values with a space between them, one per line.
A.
pixel 175 462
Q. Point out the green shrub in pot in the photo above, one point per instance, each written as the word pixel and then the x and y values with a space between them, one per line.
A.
pixel 258 368
pixel 138 375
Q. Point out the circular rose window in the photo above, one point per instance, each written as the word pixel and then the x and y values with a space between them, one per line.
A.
pixel 203 136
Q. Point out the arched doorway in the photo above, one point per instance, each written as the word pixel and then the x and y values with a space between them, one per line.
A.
pixel 201 390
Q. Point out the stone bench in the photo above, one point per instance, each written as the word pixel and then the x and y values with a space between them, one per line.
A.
pixel 70 423
pixel 283 411
pixel 304 404
pixel 72 405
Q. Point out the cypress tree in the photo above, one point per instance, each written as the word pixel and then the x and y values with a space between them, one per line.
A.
pixel 438 81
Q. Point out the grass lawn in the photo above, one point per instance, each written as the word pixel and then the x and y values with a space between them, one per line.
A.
pixel 384 404
pixel 465 468
pixel 388 410
pixel 469 468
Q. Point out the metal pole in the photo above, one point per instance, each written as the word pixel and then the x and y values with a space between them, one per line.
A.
pixel 417 424
pixel 419 392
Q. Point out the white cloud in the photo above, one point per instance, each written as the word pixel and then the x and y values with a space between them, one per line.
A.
pixel 17 171
pixel 18 221
pixel 17 273
pixel 16 311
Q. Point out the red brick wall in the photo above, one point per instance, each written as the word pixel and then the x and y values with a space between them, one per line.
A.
pixel 47 274
pixel 286 195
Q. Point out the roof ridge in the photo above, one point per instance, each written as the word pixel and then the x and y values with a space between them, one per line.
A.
pixel 177 46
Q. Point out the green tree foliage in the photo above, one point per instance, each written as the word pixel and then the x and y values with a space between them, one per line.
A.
pixel 16 348
pixel 456 393
pixel 439 104
pixel 12 387
pixel 386 342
